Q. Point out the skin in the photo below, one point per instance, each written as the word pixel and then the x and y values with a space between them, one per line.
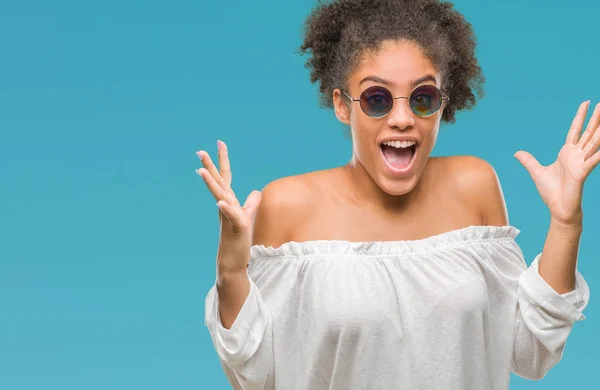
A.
pixel 360 201
pixel 365 202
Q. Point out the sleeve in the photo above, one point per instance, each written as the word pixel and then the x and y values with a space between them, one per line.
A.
pixel 544 321
pixel 245 351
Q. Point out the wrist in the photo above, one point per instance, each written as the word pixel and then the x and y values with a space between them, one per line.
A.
pixel 573 221
pixel 567 227
pixel 230 270
pixel 231 260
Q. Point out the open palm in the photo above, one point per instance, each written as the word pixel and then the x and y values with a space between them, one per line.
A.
pixel 560 184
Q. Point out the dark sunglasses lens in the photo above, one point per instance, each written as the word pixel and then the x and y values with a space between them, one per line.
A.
pixel 425 100
pixel 376 101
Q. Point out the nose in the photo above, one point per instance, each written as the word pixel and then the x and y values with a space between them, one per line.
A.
pixel 401 117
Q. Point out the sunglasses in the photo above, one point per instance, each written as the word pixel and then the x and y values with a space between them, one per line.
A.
pixel 377 101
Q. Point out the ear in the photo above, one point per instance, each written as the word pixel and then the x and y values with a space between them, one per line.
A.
pixel 340 105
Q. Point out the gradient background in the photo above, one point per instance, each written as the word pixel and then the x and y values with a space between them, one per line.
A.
pixel 108 237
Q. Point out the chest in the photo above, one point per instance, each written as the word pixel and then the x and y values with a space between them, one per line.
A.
pixel 389 298
pixel 356 223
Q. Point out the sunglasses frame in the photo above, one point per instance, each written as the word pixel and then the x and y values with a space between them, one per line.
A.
pixel 442 100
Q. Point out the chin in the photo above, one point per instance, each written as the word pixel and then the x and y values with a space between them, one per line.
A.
pixel 397 187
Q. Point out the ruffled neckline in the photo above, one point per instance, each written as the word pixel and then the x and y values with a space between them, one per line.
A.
pixel 382 248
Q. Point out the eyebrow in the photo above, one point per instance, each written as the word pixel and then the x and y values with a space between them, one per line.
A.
pixel 376 79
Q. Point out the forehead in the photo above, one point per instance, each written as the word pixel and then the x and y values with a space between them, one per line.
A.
pixel 399 62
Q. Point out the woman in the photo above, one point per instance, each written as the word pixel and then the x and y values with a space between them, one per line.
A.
pixel 397 270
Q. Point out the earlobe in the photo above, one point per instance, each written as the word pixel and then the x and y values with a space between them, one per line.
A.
pixel 342 111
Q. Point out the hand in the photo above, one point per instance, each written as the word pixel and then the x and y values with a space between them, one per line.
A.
pixel 561 184
pixel 236 220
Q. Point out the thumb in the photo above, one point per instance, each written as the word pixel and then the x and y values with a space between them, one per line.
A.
pixel 529 162
pixel 252 202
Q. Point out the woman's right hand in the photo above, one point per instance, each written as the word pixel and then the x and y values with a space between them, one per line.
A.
pixel 236 220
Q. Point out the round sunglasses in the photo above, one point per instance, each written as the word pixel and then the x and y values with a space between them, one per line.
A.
pixel 377 101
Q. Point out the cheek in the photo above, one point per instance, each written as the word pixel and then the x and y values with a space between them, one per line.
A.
pixel 432 137
pixel 364 133
pixel 429 133
pixel 356 116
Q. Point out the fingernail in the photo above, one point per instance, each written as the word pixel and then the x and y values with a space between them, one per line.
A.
pixel 219 144
pixel 199 155
pixel 218 206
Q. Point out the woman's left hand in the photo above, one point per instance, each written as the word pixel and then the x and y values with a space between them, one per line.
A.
pixel 560 184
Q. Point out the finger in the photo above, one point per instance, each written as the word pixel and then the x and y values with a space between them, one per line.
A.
pixel 215 189
pixel 530 163
pixel 224 162
pixel 232 214
pixel 591 127
pixel 252 202
pixel 210 166
pixel 592 146
pixel 577 124
pixel 591 162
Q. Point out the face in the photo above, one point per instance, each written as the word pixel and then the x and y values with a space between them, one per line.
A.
pixel 395 167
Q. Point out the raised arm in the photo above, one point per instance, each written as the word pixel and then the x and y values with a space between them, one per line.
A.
pixel 551 294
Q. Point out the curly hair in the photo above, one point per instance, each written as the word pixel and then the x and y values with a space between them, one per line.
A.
pixel 338 33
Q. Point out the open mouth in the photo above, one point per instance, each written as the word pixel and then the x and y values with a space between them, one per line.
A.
pixel 399 154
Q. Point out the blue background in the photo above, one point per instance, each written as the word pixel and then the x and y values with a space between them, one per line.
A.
pixel 108 237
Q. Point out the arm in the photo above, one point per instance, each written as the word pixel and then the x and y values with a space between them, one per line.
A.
pixel 237 313
pixel 237 316
pixel 560 185
pixel 547 308
pixel 279 211
pixel 558 263
pixel 233 284
pixel 233 287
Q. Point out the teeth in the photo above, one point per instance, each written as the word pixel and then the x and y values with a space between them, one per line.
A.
pixel 399 144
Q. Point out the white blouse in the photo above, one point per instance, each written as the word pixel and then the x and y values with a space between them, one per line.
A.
pixel 459 310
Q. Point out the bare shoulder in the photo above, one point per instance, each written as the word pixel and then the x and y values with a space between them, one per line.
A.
pixel 476 182
pixel 469 172
pixel 285 206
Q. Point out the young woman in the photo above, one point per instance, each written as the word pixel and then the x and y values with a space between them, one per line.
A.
pixel 397 270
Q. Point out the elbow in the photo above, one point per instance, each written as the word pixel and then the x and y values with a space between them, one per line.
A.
pixel 238 343
pixel 531 373
pixel 534 363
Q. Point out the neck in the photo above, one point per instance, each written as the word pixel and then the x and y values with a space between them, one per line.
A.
pixel 363 189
